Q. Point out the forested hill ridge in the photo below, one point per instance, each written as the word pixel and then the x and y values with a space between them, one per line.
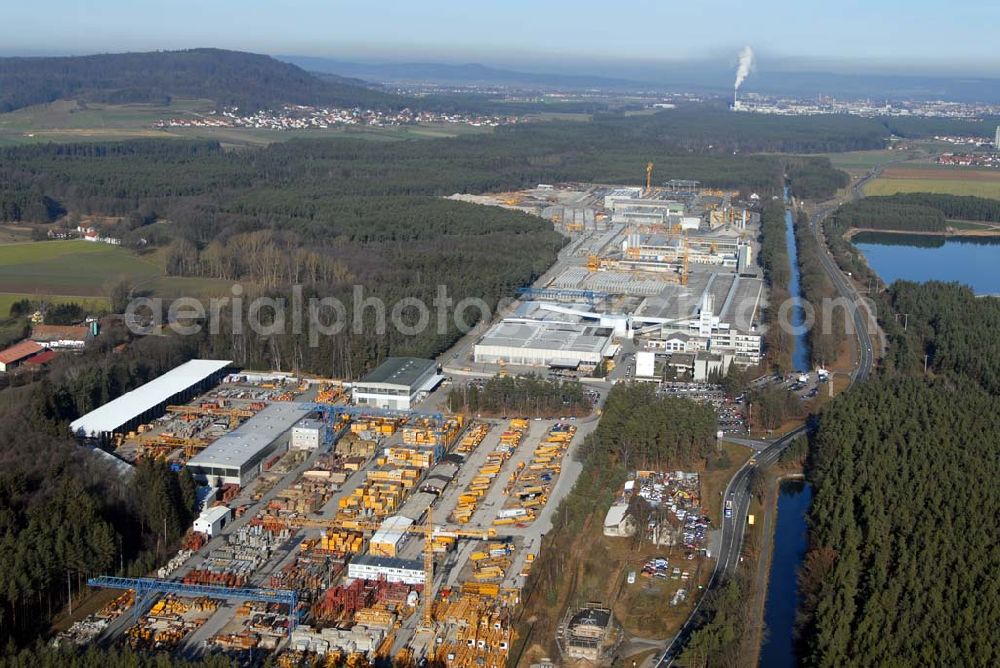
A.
pixel 229 78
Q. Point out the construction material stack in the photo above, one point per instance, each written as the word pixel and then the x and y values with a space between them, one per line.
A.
pixel 480 485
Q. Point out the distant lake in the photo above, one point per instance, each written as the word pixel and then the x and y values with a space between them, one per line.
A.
pixel 974 261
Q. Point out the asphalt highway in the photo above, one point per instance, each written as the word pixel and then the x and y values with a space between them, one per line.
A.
pixel 738 489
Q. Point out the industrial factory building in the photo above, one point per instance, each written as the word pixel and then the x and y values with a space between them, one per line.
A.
pixel 309 433
pixel 707 345
pixel 397 383
pixel 238 457
pixel 661 252
pixel 648 212
pixel 387 541
pixel 149 401
pixel 370 567
pixel 565 342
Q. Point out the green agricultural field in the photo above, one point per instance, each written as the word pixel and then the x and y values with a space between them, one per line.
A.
pixel 263 137
pixel 91 304
pixel 72 267
pixel 862 161
pixel 69 121
pixel 978 188
pixel 82 269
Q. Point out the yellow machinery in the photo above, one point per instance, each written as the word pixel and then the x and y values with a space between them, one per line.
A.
pixel 430 533
pixel 234 414
pixel 649 177
pixel 160 445
pixel 593 263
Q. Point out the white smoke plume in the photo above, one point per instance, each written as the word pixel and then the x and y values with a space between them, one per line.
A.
pixel 746 63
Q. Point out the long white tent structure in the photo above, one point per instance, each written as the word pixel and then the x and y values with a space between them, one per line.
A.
pixel 149 401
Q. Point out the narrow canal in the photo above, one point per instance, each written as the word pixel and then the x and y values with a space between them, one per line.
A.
pixel 778 647
pixel 796 318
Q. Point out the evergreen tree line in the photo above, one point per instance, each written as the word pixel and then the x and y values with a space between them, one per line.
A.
pixel 903 517
pixel 774 258
pixel 947 323
pixel 828 333
pixel 813 178
pixel 642 430
pixel 520 395
pixel 65 513
pixel 27 205
pixel 916 212
pixel 902 559
pixel 888 213
pixel 725 614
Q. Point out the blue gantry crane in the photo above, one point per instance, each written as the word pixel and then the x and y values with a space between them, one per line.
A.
pixel 146 589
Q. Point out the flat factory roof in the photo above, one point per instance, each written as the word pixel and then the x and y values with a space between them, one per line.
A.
pixel 240 445
pixel 214 513
pixel 388 562
pixel 392 529
pixel 400 371
pixel 547 336
pixel 309 423
pixel 132 404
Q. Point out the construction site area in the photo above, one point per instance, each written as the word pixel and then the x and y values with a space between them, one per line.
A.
pixel 331 533
pixel 670 268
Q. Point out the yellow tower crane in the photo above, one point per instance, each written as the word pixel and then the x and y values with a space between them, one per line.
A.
pixel 427 530
pixel 649 177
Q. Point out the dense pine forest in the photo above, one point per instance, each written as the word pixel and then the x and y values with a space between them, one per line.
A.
pixel 948 324
pixel 913 212
pixel 520 395
pixel 777 267
pixel 905 515
pixel 65 514
pixel 903 528
pixel 828 333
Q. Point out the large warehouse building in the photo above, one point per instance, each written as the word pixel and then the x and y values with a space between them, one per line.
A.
pixel 397 383
pixel 238 457
pixel 558 343
pixel 542 333
pixel 149 401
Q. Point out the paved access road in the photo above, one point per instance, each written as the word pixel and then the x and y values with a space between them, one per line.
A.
pixel 738 490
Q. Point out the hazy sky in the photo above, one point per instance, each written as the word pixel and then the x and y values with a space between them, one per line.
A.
pixel 918 33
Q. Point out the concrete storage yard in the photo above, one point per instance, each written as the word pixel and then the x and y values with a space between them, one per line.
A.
pixel 398 491
pixel 393 466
